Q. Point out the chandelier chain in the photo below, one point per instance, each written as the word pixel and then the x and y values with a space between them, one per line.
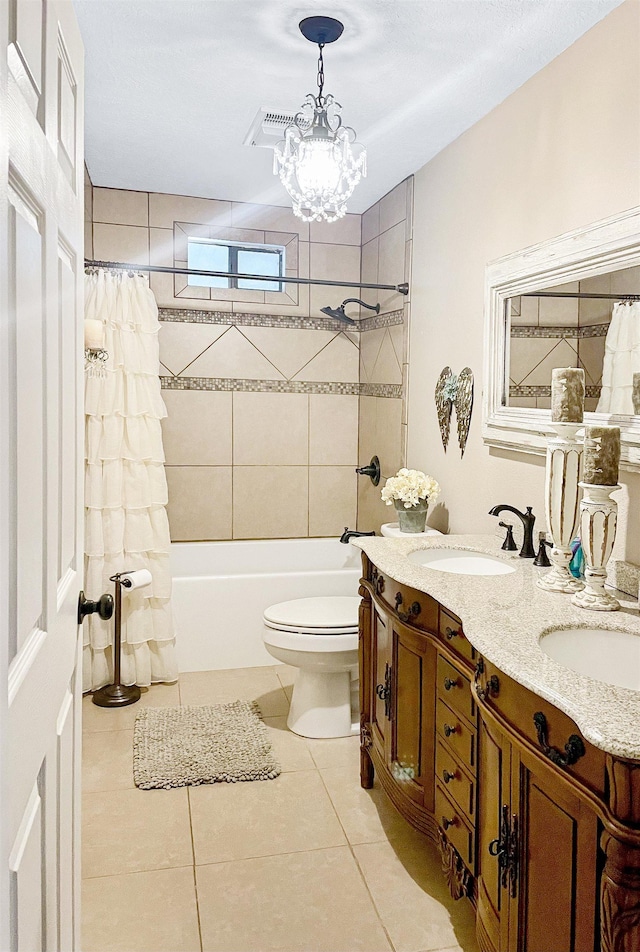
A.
pixel 320 71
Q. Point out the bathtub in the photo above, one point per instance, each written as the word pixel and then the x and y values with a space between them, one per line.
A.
pixel 221 589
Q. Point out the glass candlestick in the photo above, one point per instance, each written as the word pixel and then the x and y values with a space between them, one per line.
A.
pixel 598 520
pixel 562 505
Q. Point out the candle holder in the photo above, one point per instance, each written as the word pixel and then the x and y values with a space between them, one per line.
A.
pixel 598 521
pixel 562 505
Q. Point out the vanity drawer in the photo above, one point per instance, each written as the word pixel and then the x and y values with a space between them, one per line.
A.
pixel 456 734
pixel 410 606
pixel 452 822
pixel 450 630
pixel 455 781
pixel 455 690
pixel 517 705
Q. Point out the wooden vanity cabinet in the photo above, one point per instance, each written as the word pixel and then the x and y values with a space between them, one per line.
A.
pixel 540 829
pixel 537 854
pixel 418 717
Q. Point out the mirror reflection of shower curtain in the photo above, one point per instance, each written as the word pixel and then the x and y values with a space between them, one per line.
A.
pixel 126 524
pixel 621 359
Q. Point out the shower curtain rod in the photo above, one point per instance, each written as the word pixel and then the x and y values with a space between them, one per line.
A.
pixel 581 294
pixel 123 266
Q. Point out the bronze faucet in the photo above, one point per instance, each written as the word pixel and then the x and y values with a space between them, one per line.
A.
pixel 527 519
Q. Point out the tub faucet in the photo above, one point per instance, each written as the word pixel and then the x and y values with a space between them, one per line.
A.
pixel 353 533
pixel 527 519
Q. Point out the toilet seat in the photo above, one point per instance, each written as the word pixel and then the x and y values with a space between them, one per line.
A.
pixel 325 615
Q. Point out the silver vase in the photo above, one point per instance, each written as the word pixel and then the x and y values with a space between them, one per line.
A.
pixel 414 519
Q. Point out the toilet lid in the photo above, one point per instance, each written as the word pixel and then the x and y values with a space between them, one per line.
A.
pixel 328 611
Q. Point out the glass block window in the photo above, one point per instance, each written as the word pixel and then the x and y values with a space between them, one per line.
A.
pixel 210 254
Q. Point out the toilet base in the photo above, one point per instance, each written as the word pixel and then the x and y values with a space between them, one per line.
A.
pixel 321 704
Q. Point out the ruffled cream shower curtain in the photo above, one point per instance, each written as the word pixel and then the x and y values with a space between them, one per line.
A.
pixel 126 488
pixel 621 359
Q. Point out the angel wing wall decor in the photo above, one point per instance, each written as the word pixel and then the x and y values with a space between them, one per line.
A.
pixel 455 391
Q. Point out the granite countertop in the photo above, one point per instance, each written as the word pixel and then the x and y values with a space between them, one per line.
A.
pixel 503 617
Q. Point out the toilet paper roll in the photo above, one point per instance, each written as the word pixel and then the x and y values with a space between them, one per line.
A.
pixel 139 579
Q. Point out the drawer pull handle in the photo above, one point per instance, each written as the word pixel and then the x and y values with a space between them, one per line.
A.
pixel 414 609
pixel 452 633
pixel 446 776
pixel 450 683
pixel 377 581
pixel 573 750
pixel 491 688
pixel 447 823
pixel 450 729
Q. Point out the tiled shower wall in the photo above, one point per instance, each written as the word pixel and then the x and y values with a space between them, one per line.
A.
pixel 386 259
pixel 261 436
pixel 265 395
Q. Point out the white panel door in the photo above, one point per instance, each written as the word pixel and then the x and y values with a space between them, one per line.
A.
pixel 41 545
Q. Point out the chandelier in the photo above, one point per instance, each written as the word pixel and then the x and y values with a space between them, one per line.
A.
pixel 318 161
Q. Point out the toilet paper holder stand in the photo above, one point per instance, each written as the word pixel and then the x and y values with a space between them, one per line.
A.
pixel 117 694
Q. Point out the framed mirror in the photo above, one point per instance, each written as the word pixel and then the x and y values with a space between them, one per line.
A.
pixel 573 301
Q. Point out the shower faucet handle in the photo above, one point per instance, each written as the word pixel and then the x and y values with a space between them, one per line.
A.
pixel 372 470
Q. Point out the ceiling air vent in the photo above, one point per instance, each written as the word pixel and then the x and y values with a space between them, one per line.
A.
pixel 268 128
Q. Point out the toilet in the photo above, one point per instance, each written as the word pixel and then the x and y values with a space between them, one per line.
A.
pixel 319 636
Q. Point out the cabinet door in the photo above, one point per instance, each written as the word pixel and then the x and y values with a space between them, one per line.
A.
pixel 380 681
pixel 412 758
pixel 494 781
pixel 557 895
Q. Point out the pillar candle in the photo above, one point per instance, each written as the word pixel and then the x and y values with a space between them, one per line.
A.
pixel 93 334
pixel 567 395
pixel 636 394
pixel 601 455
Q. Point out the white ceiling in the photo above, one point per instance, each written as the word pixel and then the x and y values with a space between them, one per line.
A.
pixel 173 85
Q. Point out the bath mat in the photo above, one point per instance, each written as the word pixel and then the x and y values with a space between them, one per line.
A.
pixel 184 746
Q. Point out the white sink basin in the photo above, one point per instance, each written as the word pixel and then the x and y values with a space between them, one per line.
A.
pixel 600 653
pixel 460 562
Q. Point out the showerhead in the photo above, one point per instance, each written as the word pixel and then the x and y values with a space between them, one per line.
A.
pixel 339 314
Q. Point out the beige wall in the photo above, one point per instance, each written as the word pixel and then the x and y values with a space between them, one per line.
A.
pixel 562 151
pixel 386 258
pixel 261 389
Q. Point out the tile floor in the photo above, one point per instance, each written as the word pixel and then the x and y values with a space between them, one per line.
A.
pixel 309 862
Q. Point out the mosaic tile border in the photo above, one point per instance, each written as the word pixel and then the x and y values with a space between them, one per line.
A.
pixel 388 390
pixel 524 390
pixel 579 333
pixel 188 315
pixel 381 320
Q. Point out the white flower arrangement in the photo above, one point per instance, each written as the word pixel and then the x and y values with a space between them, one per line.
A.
pixel 409 486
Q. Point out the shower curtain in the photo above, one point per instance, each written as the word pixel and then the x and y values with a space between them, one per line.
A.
pixel 125 485
pixel 621 359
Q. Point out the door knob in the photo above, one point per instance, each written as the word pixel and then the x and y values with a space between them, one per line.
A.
pixel 104 607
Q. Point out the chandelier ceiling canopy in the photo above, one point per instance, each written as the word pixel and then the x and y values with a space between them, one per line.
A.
pixel 319 161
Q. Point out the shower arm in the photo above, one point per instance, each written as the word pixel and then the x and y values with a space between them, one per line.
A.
pixel 282 279
pixel 371 307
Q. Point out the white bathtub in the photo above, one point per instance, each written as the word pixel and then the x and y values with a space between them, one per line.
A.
pixel 221 589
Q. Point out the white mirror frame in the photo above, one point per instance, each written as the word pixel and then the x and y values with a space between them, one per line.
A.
pixel 608 245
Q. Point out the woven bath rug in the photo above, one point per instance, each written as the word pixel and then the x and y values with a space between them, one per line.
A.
pixel 184 746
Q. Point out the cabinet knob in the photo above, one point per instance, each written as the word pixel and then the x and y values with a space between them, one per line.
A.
pixel 450 683
pixel 446 776
pixel 447 823
pixel 450 729
pixel 452 633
